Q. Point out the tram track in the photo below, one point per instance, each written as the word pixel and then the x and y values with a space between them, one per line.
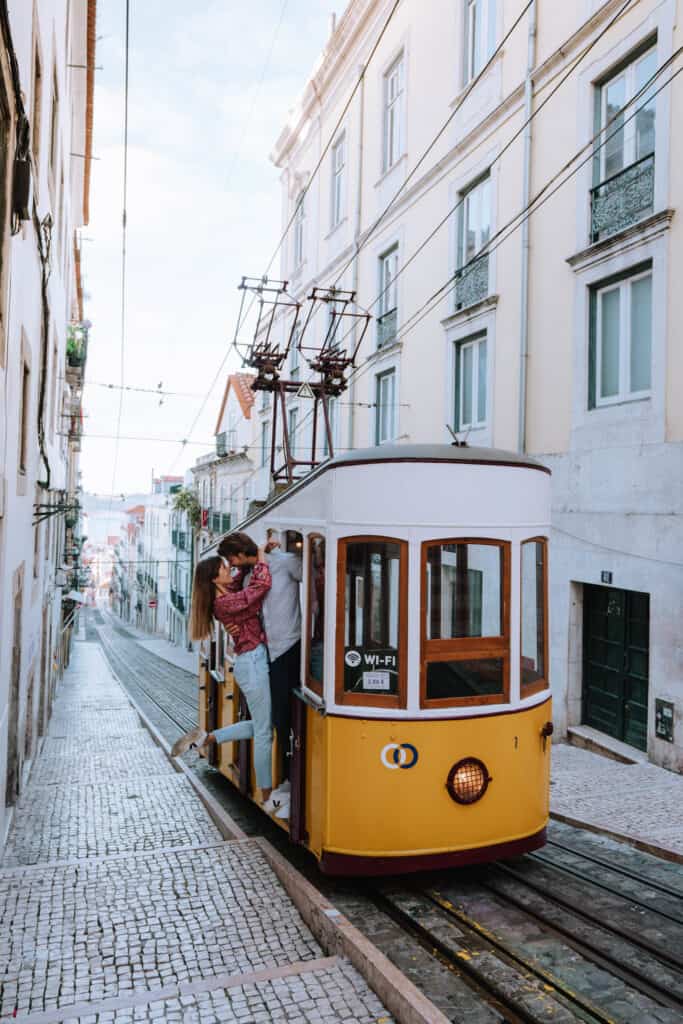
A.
pixel 565 962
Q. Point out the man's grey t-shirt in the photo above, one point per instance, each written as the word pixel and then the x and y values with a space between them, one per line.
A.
pixel 282 608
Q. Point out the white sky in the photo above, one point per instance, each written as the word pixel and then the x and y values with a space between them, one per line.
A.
pixel 203 209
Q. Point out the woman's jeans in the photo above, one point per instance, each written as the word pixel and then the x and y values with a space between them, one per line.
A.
pixel 251 672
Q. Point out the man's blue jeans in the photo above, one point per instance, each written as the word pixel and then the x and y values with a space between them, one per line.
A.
pixel 251 673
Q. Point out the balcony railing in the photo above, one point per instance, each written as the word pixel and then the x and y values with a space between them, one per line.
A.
pixel 472 282
pixel 623 199
pixel 386 327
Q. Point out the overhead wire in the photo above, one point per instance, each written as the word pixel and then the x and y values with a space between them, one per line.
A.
pixel 538 200
pixel 124 228
pixel 302 195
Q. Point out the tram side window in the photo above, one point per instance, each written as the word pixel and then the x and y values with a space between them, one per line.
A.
pixel 316 612
pixel 374 580
pixel 533 618
pixel 465 627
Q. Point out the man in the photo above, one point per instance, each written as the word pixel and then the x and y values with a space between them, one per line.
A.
pixel 282 622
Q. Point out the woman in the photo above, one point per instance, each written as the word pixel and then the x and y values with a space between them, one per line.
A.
pixel 216 595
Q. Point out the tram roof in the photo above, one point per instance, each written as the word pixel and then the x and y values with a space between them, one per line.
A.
pixel 434 453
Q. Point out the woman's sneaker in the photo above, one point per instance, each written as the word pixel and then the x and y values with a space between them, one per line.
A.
pixel 283 811
pixel 193 738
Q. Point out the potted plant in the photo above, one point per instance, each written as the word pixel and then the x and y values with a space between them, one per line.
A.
pixel 76 344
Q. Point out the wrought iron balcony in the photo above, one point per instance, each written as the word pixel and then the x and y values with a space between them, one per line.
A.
pixel 623 199
pixel 386 327
pixel 472 282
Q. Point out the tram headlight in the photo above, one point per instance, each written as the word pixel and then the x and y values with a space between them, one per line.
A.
pixel 468 780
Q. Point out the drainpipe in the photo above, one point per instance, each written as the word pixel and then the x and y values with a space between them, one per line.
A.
pixel 526 195
pixel 356 240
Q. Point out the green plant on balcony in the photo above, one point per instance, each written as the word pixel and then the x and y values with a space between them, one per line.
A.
pixel 76 344
pixel 186 501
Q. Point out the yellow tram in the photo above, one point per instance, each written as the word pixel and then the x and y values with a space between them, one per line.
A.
pixel 421 727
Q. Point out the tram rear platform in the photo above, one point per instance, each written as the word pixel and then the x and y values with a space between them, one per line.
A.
pixel 121 899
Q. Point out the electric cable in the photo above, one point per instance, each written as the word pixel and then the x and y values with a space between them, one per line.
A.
pixel 291 219
pixel 124 227
pixel 538 200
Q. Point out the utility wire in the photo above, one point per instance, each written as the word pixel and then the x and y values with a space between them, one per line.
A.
pixel 538 200
pixel 293 215
pixel 124 226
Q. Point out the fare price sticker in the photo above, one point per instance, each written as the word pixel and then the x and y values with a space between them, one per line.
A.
pixel 370 671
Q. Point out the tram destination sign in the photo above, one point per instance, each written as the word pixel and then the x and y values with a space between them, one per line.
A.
pixel 371 670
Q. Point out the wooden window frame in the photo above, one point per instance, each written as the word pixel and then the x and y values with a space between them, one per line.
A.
pixel 465 648
pixel 312 684
pixel 372 700
pixel 540 684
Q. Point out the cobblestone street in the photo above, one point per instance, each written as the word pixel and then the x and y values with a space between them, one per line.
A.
pixel 120 900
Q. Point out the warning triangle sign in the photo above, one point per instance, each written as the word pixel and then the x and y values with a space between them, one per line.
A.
pixel 305 391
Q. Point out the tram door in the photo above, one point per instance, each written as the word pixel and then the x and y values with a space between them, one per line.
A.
pixel 615 663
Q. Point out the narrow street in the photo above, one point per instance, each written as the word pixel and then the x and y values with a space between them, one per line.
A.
pixel 585 929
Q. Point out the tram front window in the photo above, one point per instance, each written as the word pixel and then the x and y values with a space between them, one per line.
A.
pixel 465 627
pixel 372 614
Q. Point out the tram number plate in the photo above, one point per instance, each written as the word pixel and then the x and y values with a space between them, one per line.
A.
pixel 376 681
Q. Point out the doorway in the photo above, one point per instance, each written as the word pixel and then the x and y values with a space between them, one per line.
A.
pixel 616 641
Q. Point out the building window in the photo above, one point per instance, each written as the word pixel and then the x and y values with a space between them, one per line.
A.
pixel 294 354
pixel 465 628
pixel 533 672
pixel 292 423
pixel 299 215
pixel 388 298
pixel 338 181
pixel 54 127
pixel 332 410
pixel 385 407
pixel 37 107
pixel 393 114
pixel 620 340
pixel 372 591
pixel 474 231
pixel 265 442
pixel 623 167
pixel 470 383
pixel 480 34
pixel 24 417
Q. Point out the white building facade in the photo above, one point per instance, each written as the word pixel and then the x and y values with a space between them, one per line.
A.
pixel 503 200
pixel 46 103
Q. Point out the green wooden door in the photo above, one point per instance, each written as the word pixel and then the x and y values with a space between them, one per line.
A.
pixel 616 631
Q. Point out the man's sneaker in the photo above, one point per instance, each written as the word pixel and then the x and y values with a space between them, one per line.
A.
pixel 283 790
pixel 193 738
pixel 283 812
pixel 272 804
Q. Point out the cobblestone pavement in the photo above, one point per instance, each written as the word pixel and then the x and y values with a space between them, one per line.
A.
pixel 120 901
pixel 640 802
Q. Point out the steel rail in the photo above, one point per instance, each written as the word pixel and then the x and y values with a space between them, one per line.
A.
pixel 465 961
pixel 666 890
pixel 567 870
